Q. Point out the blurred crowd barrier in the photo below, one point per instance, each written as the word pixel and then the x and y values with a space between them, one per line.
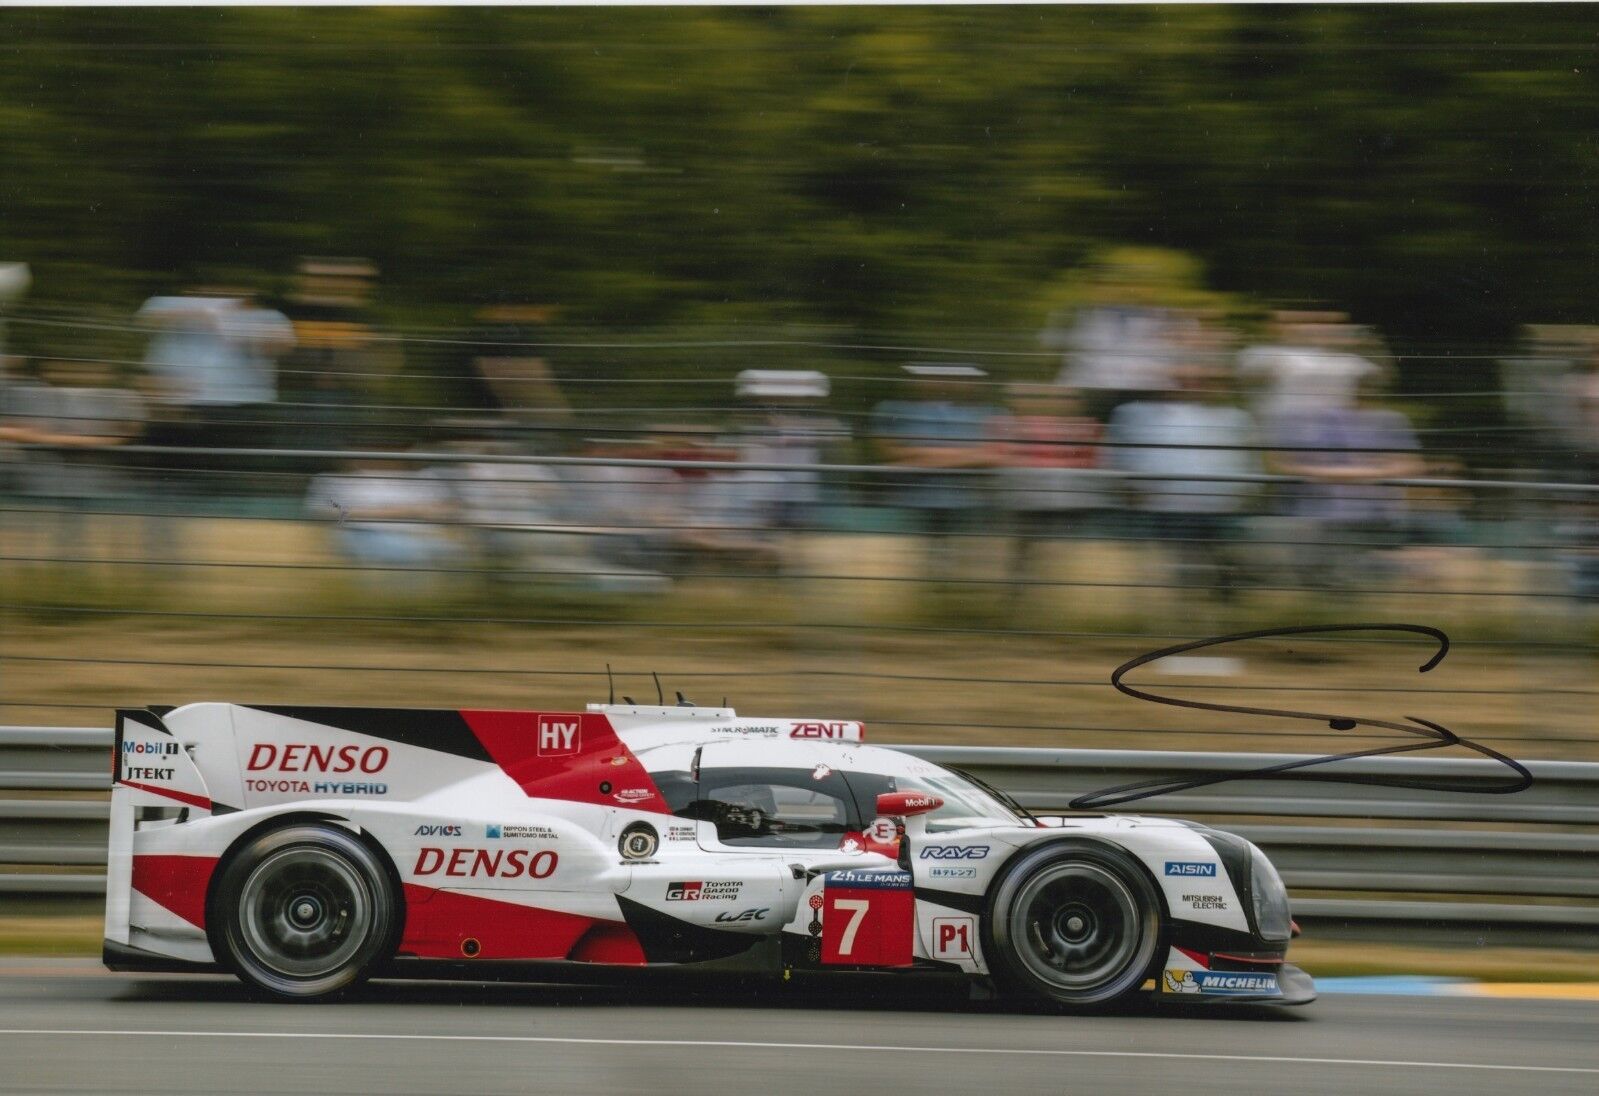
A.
pixel 1286 462
pixel 1141 475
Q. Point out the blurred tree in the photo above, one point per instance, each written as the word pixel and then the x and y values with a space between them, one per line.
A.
pixel 894 171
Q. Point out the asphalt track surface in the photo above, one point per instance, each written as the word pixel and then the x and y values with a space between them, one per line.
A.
pixel 70 1026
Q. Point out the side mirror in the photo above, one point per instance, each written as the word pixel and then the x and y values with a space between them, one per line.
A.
pixel 906 804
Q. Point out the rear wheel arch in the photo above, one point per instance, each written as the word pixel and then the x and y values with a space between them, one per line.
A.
pixel 220 905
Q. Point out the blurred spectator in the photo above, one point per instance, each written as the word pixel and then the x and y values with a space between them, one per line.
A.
pixel 388 512
pixel 334 371
pixel 782 424
pixel 506 372
pixel 1189 430
pixel 1311 366
pixel 1542 389
pixel 945 424
pixel 1120 352
pixel 1342 453
pixel 217 349
pixel 629 511
pixel 714 515
pixel 71 419
pixel 14 282
pixel 1042 446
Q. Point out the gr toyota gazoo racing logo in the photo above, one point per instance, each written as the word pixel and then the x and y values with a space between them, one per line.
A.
pixel 696 891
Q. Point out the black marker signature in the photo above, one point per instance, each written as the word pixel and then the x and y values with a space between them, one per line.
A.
pixel 1436 736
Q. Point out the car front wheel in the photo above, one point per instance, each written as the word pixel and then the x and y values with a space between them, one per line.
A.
pixel 1074 924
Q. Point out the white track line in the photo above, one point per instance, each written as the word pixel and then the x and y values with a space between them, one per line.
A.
pixel 733 1044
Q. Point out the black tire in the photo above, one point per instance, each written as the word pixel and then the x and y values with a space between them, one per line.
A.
pixel 1074 924
pixel 304 912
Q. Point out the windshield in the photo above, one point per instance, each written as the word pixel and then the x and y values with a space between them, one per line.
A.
pixel 966 803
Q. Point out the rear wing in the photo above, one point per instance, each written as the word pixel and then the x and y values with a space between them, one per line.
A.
pixel 149 758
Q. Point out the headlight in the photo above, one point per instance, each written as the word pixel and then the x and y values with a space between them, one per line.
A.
pixel 1270 898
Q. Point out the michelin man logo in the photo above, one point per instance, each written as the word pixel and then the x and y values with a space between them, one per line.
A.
pixel 1181 981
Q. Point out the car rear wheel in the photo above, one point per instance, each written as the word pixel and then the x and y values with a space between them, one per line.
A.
pixel 305 911
pixel 1074 924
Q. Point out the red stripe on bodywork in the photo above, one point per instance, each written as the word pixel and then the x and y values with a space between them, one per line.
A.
pixel 182 797
pixel 438 922
pixel 176 883
pixel 1197 956
pixel 609 942
pixel 597 768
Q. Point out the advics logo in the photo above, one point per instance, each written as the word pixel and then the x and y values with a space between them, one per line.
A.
pixel 558 735
pixel 438 831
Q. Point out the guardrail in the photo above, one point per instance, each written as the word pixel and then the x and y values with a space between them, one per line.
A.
pixel 1423 881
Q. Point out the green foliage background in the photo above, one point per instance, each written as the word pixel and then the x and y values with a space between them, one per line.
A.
pixel 1430 168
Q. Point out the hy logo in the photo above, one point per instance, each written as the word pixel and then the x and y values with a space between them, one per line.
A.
pixel 558 735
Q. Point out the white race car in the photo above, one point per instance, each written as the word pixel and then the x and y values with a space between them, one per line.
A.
pixel 307 848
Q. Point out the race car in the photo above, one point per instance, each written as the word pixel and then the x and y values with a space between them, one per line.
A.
pixel 307 848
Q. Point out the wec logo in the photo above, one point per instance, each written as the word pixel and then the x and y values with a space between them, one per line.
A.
pixel 558 736
pixel 1190 867
pixel 955 852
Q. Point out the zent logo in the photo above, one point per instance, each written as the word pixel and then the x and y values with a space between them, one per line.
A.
pixel 955 852
pixel 819 730
pixel 558 736
pixel 1190 867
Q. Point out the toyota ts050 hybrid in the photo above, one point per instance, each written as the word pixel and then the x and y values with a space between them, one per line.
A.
pixel 306 848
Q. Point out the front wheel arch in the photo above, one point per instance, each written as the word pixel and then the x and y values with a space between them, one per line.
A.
pixel 1010 974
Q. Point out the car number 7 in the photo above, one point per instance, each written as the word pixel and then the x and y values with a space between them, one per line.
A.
pixel 857 908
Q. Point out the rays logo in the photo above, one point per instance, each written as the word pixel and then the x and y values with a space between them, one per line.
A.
pixel 955 852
